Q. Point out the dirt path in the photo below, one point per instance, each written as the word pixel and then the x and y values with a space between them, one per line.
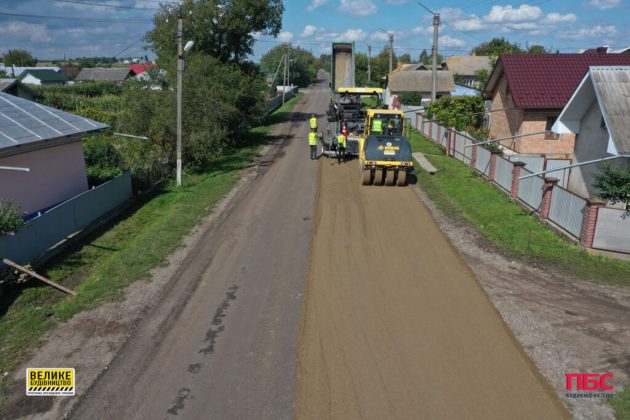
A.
pixel 395 325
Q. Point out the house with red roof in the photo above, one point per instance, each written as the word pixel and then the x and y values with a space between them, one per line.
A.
pixel 140 68
pixel 529 91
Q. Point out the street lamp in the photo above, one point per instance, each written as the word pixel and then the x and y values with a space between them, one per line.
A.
pixel 180 73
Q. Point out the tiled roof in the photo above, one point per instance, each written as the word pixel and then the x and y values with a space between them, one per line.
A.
pixel 547 80
pixel 23 122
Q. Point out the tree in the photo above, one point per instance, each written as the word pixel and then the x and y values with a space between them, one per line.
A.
pixel 410 98
pixel 10 218
pixel 21 58
pixel 224 29
pixel 497 46
pixel 481 78
pixel 303 64
pixel 324 61
pixel 426 58
pixel 613 183
pixel 537 49
pixel 459 112
pixel 405 58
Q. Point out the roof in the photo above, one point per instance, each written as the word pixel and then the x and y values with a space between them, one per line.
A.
pixel 16 71
pixel 360 90
pixel 420 81
pixel 546 80
pixel 45 75
pixel 5 84
pixel 467 65
pixel 109 74
pixel 70 70
pixel 25 122
pixel 140 68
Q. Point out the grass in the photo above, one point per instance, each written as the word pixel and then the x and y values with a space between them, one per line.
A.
pixel 621 404
pixel 460 192
pixel 121 254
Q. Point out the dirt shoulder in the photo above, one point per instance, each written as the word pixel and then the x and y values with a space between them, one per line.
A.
pixel 565 325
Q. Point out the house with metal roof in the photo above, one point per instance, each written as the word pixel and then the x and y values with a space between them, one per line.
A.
pixel 598 115
pixel 527 94
pixel 116 75
pixel 43 146
pixel 420 81
pixel 43 77
pixel 465 68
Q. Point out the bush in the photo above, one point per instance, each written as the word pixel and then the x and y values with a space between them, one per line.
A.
pixel 613 183
pixel 410 98
pixel 458 112
pixel 10 217
pixel 103 161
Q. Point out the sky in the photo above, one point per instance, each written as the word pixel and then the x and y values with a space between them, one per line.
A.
pixel 561 25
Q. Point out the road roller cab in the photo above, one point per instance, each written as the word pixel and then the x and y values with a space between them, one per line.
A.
pixel 385 153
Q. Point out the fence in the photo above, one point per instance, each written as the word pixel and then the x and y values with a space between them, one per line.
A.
pixel 276 102
pixel 593 225
pixel 58 223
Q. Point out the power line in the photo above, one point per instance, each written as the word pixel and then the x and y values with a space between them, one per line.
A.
pixel 77 19
pixel 134 43
pixel 106 5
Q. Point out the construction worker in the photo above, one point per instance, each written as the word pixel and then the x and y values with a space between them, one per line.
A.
pixel 377 126
pixel 313 123
pixel 312 142
pixel 341 147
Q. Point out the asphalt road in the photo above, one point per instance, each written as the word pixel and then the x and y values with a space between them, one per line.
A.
pixel 395 324
pixel 224 344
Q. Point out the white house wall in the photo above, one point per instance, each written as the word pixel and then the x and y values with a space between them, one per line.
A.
pixel 591 143
pixel 56 174
pixel 30 80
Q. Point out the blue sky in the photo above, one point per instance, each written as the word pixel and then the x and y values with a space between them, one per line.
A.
pixel 314 24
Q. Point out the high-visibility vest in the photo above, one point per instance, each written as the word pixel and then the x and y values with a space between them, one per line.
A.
pixel 341 140
pixel 313 122
pixel 377 126
pixel 312 139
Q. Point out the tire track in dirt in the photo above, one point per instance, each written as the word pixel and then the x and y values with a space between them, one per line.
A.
pixel 395 324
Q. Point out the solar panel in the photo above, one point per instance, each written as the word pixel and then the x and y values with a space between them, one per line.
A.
pixel 23 121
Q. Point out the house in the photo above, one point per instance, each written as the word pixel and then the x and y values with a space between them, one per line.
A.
pixel 47 142
pixel 597 114
pixel 16 88
pixel 43 77
pixel 140 68
pixel 15 71
pixel 70 71
pixel 420 81
pixel 606 50
pixel 116 75
pixel 528 92
pixel 465 68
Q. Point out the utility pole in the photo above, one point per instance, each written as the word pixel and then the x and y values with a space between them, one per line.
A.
pixel 391 50
pixel 436 24
pixel 289 66
pixel 284 77
pixel 180 74
pixel 369 63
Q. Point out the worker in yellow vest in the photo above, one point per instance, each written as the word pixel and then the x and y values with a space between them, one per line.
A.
pixel 312 142
pixel 377 126
pixel 341 148
pixel 313 123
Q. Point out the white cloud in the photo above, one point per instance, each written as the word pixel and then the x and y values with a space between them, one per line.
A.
pixel 449 42
pixel 597 32
pixel 315 4
pixel 285 36
pixel 309 30
pixel 353 35
pixel 470 25
pixel 33 32
pixel 504 14
pixel 358 7
pixel 604 4
pixel 553 18
pixel 396 2
pixel 420 30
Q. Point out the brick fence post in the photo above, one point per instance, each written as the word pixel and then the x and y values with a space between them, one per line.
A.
pixel 493 166
pixel 545 204
pixel 473 157
pixel 516 173
pixel 417 117
pixel 589 222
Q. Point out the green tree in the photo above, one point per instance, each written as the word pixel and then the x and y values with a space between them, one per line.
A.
pixel 303 64
pixel 405 58
pixel 10 217
pixel 537 49
pixel 224 29
pixel 380 66
pixel 613 183
pixel 427 59
pixel 458 112
pixel 17 57
pixel 410 98
pixel 497 46
pixel 481 78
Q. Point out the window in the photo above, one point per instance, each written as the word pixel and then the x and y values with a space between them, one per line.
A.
pixel 549 135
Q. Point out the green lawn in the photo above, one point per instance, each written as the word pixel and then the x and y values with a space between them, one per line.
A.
pixel 121 253
pixel 621 404
pixel 459 192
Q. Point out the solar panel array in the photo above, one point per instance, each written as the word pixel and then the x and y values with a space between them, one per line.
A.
pixel 23 121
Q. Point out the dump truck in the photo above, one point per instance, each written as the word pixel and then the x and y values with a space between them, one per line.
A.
pixel 385 154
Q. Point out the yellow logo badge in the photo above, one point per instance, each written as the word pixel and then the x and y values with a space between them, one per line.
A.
pixel 50 381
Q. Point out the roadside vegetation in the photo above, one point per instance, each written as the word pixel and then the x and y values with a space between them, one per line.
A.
pixel 123 252
pixel 621 404
pixel 459 192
